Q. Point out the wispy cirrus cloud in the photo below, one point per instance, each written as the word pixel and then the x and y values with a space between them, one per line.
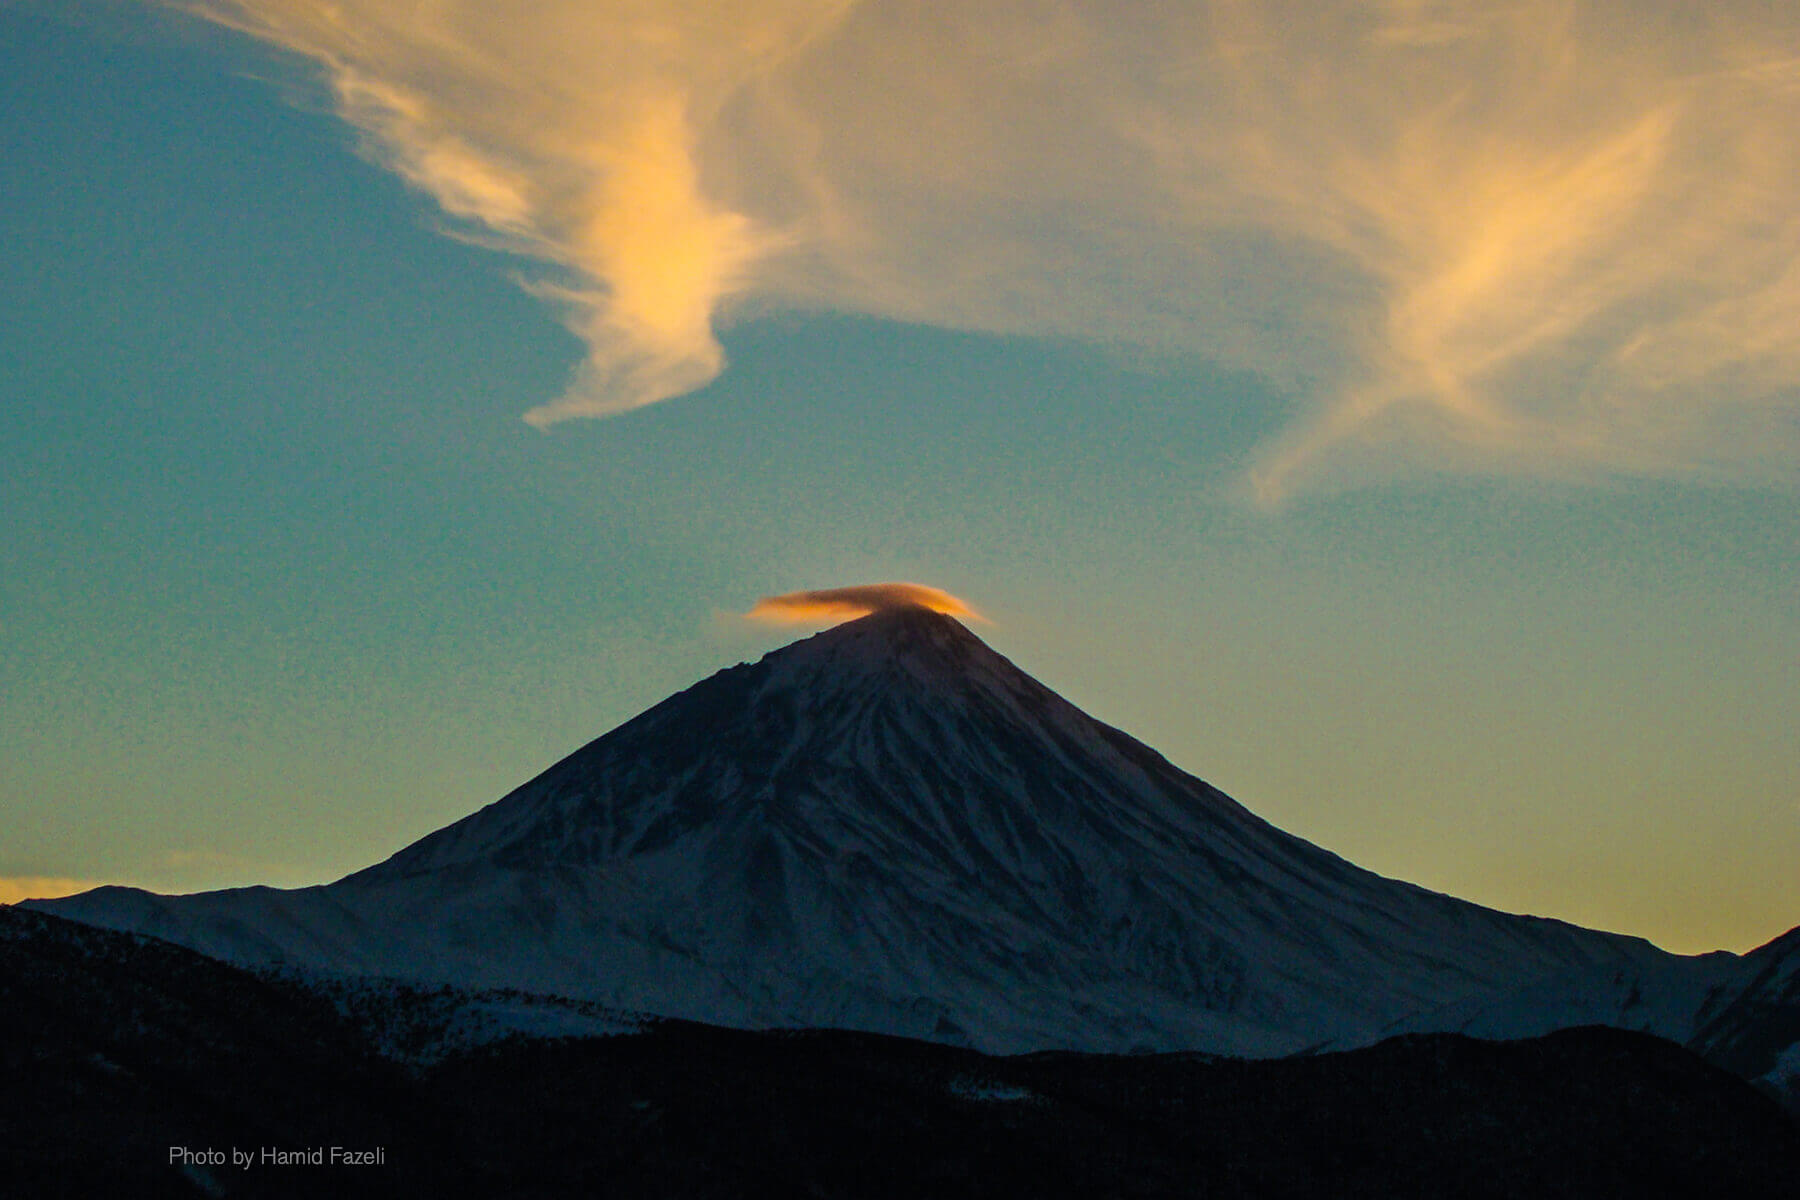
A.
pixel 1538 236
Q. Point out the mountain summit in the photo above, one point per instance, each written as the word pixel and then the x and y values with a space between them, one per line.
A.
pixel 888 826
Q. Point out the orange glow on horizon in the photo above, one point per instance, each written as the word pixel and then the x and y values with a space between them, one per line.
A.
pixel 14 888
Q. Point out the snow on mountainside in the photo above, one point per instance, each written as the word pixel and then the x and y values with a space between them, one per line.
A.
pixel 1755 1033
pixel 1668 999
pixel 888 826
pixel 117 1047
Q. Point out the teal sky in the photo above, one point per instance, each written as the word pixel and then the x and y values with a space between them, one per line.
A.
pixel 287 582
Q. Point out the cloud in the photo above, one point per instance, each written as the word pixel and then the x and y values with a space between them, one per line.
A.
pixel 1536 236
pixel 848 603
pixel 568 132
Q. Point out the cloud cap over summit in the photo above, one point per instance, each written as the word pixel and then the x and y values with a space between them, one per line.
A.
pixel 860 600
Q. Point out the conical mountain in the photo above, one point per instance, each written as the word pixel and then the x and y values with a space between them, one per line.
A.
pixel 888 826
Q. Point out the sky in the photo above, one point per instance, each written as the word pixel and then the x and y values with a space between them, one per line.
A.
pixel 1390 411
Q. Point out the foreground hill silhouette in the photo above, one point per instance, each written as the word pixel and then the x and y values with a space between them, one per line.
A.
pixel 116 1047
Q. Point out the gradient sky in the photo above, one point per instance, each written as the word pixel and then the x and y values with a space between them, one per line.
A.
pixel 1389 411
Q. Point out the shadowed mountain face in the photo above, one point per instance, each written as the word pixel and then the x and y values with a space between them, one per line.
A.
pixel 889 827
pixel 1754 1030
pixel 115 1048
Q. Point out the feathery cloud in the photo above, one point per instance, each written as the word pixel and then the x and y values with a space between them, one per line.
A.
pixel 1536 236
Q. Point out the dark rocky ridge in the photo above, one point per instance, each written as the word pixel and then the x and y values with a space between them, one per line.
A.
pixel 115 1047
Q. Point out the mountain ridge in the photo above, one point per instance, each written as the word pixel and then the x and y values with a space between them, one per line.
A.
pixel 121 1047
pixel 889 826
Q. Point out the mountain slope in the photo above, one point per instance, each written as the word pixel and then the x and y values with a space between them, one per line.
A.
pixel 1756 1034
pixel 117 1048
pixel 890 827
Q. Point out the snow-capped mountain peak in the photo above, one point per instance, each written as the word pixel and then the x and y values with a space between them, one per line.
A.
pixel 889 826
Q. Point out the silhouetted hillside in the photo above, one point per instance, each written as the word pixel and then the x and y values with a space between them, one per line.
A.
pixel 117 1047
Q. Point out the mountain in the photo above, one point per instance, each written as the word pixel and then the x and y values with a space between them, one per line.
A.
pixel 890 827
pixel 1755 1032
pixel 117 1048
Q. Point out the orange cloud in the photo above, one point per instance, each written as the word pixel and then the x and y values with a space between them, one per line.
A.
pixel 1540 236
pixel 848 603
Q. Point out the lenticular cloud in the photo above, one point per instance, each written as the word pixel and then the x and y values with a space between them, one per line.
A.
pixel 1543 236
pixel 835 605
